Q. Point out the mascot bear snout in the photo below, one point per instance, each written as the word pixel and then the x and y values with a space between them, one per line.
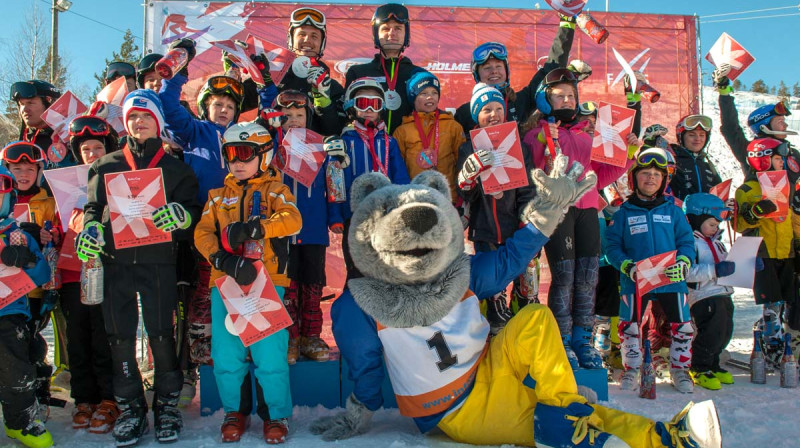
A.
pixel 419 218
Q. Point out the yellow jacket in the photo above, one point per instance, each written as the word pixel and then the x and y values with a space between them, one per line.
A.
pixel 234 202
pixel 451 136
pixel 42 208
pixel 777 236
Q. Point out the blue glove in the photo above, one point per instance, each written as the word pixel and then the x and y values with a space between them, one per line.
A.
pixel 759 264
pixel 725 268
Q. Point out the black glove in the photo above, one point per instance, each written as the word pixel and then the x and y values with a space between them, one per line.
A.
pixel 33 230
pixel 190 47
pixel 238 232
pixel 262 63
pixel 764 207
pixel 725 268
pixel 238 267
pixel 17 256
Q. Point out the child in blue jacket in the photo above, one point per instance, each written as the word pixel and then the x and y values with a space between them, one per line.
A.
pixel 17 385
pixel 649 224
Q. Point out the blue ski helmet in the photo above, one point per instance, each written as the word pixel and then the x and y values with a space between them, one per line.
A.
pixel 706 204
pixel 758 120
pixel 556 76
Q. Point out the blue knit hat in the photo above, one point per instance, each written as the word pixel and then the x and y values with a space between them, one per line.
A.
pixel 483 94
pixel 147 101
pixel 419 81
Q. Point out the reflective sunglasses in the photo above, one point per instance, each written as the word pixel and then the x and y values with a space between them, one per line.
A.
pixel 117 69
pixel 91 125
pixel 16 152
pixel 243 152
pixel 365 103
pixel 489 49
pixel 391 11
pixel 22 90
pixel 306 16
pixel 782 109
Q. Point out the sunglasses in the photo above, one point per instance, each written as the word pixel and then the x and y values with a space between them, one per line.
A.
pixel 117 69
pixel 16 152
pixel 291 98
pixel 560 75
pixel 306 16
pixel 88 125
pixel 242 152
pixel 487 50
pixel 649 158
pixel 693 121
pixel 588 108
pixel 225 84
pixel 6 184
pixel 365 103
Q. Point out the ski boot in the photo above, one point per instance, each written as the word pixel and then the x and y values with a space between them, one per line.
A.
pixel 697 425
pixel 168 419
pixel 569 427
pixel 132 423
pixel 629 380
pixel 234 426
pixel 82 415
pixel 35 435
pixel 705 379
pixel 189 389
pixel 588 356
pixel 722 375
pixel 313 348
pixel 104 417
pixel 682 381
pixel 275 431
pixel 571 356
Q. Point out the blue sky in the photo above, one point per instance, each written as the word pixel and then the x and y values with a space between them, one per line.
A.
pixel 773 41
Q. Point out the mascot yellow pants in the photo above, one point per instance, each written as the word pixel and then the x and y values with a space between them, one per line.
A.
pixel 500 407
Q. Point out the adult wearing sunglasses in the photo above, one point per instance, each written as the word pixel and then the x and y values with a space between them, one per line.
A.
pixel 118 69
pixel 391 30
pixel 694 172
pixel 490 66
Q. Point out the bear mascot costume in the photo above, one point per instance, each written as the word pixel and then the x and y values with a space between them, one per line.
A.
pixel 416 311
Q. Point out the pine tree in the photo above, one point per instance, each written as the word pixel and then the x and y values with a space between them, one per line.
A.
pixel 772 90
pixel 43 72
pixel 783 91
pixel 796 89
pixel 737 85
pixel 128 52
pixel 759 86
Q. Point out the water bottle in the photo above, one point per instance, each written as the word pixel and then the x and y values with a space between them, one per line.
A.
pixel 92 277
pixel 172 62
pixel 334 180
pixel 254 249
pixel 591 27
pixel 647 380
pixel 51 256
pixel 788 365
pixel 758 365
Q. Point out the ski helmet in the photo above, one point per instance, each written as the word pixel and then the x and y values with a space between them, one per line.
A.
pixel 33 88
pixel 20 151
pixel 90 127
pixel 146 65
pixel 650 158
pixel 119 68
pixel 692 122
pixel 483 52
pixel 699 204
pixel 306 16
pixel 8 187
pixel 761 150
pixel 375 103
pixel 246 141
pixel 589 108
pixel 554 77
pixel 294 98
pixel 758 120
pixel 220 85
pixel 387 12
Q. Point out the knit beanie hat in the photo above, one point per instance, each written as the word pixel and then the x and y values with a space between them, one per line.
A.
pixel 483 94
pixel 419 81
pixel 147 101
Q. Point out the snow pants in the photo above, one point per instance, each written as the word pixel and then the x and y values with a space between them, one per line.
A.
pixel 231 367
pixel 713 317
pixel 302 298
pixel 526 364
pixel 17 372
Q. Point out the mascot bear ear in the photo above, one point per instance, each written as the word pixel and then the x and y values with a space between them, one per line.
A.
pixel 364 185
pixel 433 179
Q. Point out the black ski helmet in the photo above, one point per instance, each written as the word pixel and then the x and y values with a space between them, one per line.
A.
pixel 33 88
pixel 387 12
pixel 146 65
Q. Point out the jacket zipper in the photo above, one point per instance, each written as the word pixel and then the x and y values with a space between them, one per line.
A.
pixel 242 205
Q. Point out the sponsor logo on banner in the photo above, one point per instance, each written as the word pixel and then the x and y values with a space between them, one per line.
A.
pixel 631 64
pixel 449 67
pixel 343 65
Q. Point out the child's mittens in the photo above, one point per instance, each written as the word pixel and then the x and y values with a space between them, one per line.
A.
pixel 724 268
pixel 478 162
pixel 678 271
pixel 628 268
pixel 759 264
pixel 17 256
pixel 241 269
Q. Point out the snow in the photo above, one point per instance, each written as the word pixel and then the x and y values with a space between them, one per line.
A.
pixel 750 415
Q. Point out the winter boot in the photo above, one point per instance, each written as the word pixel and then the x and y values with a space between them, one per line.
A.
pixel 697 425
pixel 189 389
pixel 682 380
pixel 706 379
pixel 571 356
pixel 35 435
pixel 132 423
pixel 314 348
pixel 497 312
pixel 294 351
pixel 275 431
pixel 82 415
pixel 569 427
pixel 104 417
pixel 168 419
pixel 234 426
pixel 588 356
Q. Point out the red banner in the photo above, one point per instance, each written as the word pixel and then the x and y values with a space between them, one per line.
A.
pixel 775 187
pixel 508 168
pixel 442 39
pixel 614 123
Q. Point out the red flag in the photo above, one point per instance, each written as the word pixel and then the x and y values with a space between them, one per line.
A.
pixel 255 311
pixel 132 197
pixel 508 169
pixel 114 95
pixel 14 283
pixel 650 272
pixel 22 213
pixel 301 155
pixel 727 51
pixel 61 112
pixel 614 123
pixel 280 59
pixel 775 187
pixel 567 7
pixel 722 190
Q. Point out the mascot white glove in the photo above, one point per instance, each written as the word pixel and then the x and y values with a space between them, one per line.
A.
pixel 353 421
pixel 556 193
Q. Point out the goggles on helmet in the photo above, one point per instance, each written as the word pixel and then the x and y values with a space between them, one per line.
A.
pixel 291 98
pixel 560 75
pixel 487 50
pixel 31 89
pixel 588 108
pixel 390 11
pixel 365 103
pixel 88 125
pixel 693 121
pixel 782 109
pixel 16 152
pixel 6 183
pixel 219 85
pixel 651 158
pixel 117 69
pixel 241 151
pixel 307 16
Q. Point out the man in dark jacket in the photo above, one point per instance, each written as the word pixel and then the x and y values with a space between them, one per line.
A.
pixel 694 173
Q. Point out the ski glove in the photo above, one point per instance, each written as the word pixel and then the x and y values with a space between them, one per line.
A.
pixel 190 46
pixel 581 69
pixel 33 230
pixel 653 131
pixel 566 21
pixel 171 217
pixel 241 269
pixel 475 164
pixel 262 63
pixel 628 268
pixel 336 149
pixel 236 233
pixel 49 302
pixel 555 194
pixel 17 256
pixel 764 207
pixel 678 271
pixel 353 421
pixel 89 243
pixel 227 62
pixel 720 76
pixel 724 268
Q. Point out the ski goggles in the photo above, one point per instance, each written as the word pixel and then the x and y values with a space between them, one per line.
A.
pixel 588 108
pixel 693 121
pixel 391 11
pixel 19 151
pixel 6 183
pixel 559 75
pixel 88 125
pixel 307 16
pixel 487 50
pixel 117 69
pixel 365 103
pixel 781 109
pixel 651 158
pixel 31 89
pixel 243 152
pixel 291 98
pixel 225 85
